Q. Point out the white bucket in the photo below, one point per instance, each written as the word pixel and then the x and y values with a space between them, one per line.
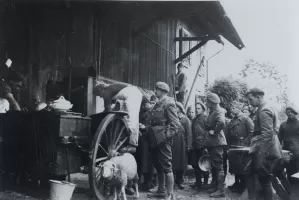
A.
pixel 61 190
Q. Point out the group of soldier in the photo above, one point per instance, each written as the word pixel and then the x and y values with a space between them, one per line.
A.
pixel 170 138
pixel 214 133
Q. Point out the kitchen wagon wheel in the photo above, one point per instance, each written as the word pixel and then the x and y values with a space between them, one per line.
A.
pixel 111 135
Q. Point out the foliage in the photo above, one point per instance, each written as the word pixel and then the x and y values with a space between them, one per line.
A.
pixel 228 90
pixel 266 74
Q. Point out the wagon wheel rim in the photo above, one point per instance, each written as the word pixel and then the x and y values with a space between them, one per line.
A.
pixel 110 136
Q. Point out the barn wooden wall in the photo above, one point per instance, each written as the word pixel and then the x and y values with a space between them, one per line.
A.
pixel 38 37
pixel 137 60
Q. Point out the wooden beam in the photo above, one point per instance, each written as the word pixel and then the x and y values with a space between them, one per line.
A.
pixel 192 38
pixel 185 55
pixel 180 43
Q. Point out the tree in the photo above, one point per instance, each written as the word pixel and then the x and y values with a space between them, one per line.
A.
pixel 268 77
pixel 229 89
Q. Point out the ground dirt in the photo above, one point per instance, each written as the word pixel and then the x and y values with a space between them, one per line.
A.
pixel 82 192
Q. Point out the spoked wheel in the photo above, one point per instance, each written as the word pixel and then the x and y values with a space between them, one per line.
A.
pixel 111 135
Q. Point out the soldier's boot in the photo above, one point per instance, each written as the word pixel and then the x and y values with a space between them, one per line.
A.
pixel 198 182
pixel 213 183
pixel 205 179
pixel 251 187
pixel 161 192
pixel 220 186
pixel 169 186
pixel 267 189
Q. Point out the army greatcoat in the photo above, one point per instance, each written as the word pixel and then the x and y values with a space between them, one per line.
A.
pixel 164 114
pixel 181 142
pixel 198 137
pixel 144 157
pixel 289 136
pixel 240 130
pixel 239 133
pixel 216 141
pixel 265 150
pixel 215 122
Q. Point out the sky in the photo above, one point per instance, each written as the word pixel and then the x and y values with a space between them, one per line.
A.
pixel 270 33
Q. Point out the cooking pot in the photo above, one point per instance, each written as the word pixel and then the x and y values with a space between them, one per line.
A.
pixel 61 104
pixel 205 163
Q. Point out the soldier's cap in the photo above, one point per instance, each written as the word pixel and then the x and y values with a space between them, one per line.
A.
pixel 162 86
pixel 182 65
pixel 181 107
pixel 214 98
pixel 237 104
pixel 202 105
pixel 256 91
pixel 245 108
pixel 292 109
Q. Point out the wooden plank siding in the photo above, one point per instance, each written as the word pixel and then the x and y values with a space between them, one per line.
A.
pixel 137 60
pixel 91 35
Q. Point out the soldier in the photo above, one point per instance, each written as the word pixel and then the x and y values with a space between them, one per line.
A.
pixel 198 136
pixel 240 131
pixel 164 125
pixel 246 111
pixel 181 83
pixel 181 146
pixel 289 137
pixel 144 156
pixel 214 142
pixel 265 150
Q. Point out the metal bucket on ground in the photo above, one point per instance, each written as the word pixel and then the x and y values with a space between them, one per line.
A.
pixel 61 190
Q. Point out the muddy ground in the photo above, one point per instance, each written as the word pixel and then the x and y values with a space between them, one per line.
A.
pixel 83 193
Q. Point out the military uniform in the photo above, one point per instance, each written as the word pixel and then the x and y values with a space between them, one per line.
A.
pixel 163 116
pixel 180 86
pixel 215 142
pixel 144 156
pixel 265 151
pixel 240 130
pixel 198 136
pixel 289 136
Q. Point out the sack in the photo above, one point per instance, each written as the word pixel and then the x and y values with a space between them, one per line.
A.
pixel 157 135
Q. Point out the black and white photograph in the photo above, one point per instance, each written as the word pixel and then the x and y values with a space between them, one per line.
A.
pixel 138 100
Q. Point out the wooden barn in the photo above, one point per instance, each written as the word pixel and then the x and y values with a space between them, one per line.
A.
pixel 133 42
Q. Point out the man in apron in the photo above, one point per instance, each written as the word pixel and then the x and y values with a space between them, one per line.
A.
pixel 128 98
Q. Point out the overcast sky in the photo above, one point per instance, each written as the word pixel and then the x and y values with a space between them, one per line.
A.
pixel 270 30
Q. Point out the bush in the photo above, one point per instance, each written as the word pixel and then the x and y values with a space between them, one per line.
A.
pixel 228 90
